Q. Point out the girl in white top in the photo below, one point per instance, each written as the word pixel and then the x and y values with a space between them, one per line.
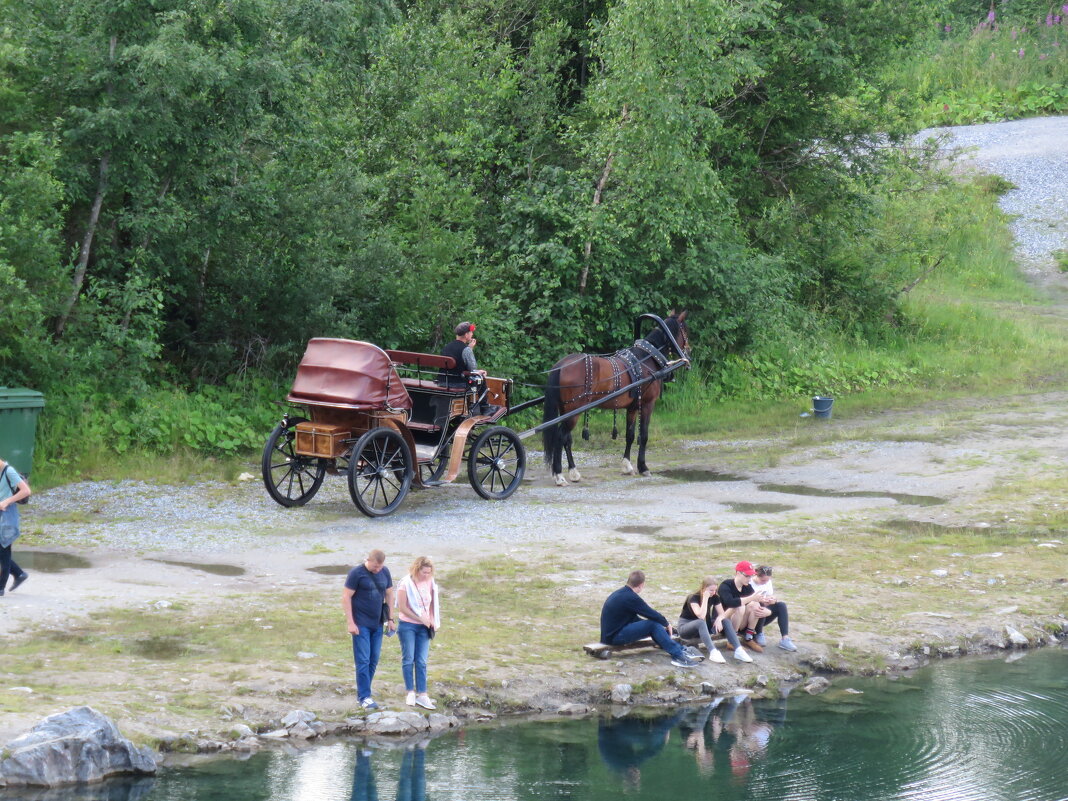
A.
pixel 765 592
pixel 419 609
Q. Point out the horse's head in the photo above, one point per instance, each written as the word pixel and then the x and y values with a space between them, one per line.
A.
pixel 676 323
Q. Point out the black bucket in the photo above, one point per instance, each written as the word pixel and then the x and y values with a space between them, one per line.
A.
pixel 821 406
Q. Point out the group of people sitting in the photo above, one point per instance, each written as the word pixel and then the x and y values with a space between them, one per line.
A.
pixel 738 609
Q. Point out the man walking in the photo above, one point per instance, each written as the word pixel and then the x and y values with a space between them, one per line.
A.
pixel 368 603
pixel 626 618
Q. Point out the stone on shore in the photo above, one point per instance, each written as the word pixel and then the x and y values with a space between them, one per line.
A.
pixel 1015 637
pixel 79 746
pixel 816 685
pixel 621 693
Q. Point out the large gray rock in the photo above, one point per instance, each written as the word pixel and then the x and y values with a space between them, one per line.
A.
pixel 78 746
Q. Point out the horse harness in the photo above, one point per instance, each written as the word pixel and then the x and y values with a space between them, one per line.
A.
pixel 625 363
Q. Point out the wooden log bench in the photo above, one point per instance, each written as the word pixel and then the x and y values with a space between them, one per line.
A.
pixel 600 650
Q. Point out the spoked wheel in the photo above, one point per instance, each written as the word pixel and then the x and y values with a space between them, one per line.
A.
pixel 380 471
pixel 496 463
pixel 433 471
pixel 290 479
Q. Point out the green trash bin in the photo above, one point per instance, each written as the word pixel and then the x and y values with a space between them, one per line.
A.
pixel 19 408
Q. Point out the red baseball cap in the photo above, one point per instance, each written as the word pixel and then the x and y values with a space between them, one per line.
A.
pixel 745 568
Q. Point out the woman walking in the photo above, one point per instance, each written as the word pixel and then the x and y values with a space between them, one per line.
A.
pixel 420 618
pixel 13 488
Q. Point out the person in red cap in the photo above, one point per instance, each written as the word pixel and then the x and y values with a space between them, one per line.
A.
pixel 739 603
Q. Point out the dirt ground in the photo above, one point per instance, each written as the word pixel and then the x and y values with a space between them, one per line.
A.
pixel 859 515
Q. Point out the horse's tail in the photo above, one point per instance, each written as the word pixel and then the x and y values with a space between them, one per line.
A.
pixel 551 437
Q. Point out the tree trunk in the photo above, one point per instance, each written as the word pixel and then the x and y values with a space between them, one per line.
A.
pixel 87 242
pixel 587 251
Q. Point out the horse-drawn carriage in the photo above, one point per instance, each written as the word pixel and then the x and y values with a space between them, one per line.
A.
pixel 387 421
pixel 390 419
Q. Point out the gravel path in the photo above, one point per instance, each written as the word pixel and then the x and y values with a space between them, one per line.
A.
pixel 1033 154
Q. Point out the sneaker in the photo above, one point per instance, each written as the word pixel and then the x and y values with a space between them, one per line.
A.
pixel 368 703
pixel 18 581
pixel 425 702
pixel 684 661
pixel 694 653
pixel 760 639
pixel 741 655
pixel 749 634
pixel 409 699
pixel 753 645
pixel 787 644
pixel 715 656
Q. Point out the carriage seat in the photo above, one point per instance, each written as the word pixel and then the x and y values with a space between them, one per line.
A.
pixel 426 367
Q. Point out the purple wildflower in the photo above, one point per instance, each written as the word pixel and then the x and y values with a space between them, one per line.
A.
pixel 948 28
pixel 1020 52
pixel 1056 19
pixel 990 17
pixel 1064 8
pixel 1049 20
pixel 945 107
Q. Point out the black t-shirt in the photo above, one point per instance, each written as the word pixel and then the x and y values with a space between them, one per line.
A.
pixel 730 596
pixel 710 612
pixel 370 593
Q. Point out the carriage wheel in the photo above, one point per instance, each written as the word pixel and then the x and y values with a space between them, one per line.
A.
pixel 434 470
pixel 496 463
pixel 380 471
pixel 290 479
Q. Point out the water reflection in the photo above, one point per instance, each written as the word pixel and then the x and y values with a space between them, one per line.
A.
pixel 411 779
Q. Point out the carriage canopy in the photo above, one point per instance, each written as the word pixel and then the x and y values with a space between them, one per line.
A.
pixel 348 373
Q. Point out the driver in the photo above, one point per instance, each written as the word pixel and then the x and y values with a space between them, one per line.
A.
pixel 461 351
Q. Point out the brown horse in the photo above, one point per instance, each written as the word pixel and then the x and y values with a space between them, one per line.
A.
pixel 580 378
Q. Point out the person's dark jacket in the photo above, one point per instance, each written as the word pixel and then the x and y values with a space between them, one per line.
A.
pixel 622 607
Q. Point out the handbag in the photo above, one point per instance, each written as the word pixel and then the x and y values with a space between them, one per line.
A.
pixel 9 526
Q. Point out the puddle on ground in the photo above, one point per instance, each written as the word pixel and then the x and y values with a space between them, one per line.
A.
pixel 921 527
pixel 699 474
pixel 51 561
pixel 331 570
pixel 900 497
pixel 638 529
pixel 758 508
pixel 215 570
pixel 156 647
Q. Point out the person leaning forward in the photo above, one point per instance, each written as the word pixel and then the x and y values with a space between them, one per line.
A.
pixel 626 618
pixel 368 603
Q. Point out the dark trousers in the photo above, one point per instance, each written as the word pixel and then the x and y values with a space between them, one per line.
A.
pixel 647 628
pixel 778 612
pixel 8 567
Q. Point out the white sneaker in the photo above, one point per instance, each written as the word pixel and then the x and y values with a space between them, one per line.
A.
pixel 715 656
pixel 741 655
pixel 409 699
pixel 425 702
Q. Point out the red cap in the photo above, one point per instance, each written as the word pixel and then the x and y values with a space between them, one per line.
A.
pixel 745 568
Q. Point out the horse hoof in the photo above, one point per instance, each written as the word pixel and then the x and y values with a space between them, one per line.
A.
pixel 574 475
pixel 560 480
pixel 646 473
pixel 628 468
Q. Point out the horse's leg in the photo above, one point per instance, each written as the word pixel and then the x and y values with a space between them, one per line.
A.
pixel 643 436
pixel 632 413
pixel 557 468
pixel 572 472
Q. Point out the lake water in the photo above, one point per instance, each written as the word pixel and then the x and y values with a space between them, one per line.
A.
pixel 973 730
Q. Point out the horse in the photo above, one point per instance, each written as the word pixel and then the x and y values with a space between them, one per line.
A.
pixel 580 378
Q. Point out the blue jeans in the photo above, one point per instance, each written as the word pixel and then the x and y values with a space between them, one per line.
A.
pixel 8 566
pixel 640 629
pixel 366 648
pixel 778 612
pixel 415 647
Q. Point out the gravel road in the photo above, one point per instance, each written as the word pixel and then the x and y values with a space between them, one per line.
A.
pixel 1033 155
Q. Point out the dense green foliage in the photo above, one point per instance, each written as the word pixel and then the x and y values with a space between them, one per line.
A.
pixel 191 189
